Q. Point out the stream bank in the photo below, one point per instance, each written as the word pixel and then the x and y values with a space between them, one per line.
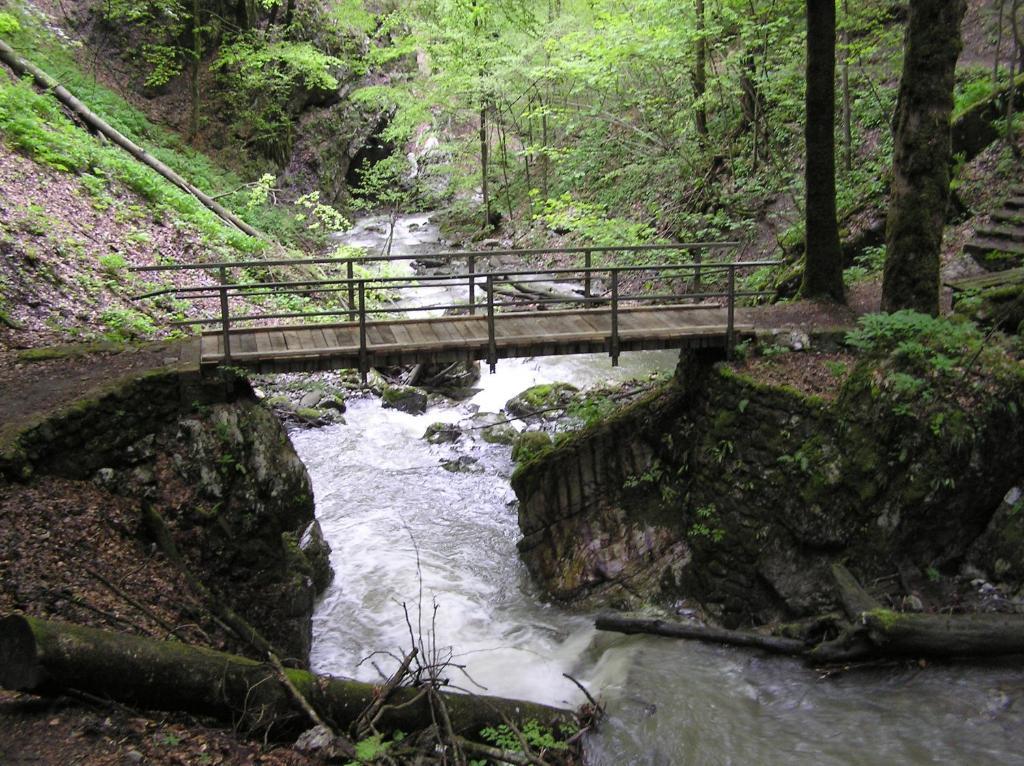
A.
pixel 736 495
pixel 201 454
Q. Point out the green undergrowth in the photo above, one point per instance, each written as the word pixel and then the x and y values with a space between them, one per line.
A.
pixel 34 124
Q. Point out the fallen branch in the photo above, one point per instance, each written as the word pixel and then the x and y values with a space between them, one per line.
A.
pixel 364 724
pixel 706 634
pixel 873 632
pixel 225 615
pixel 171 630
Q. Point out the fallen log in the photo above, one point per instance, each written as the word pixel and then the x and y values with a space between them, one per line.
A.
pixel 773 644
pixel 873 632
pixel 49 658
pixel 944 635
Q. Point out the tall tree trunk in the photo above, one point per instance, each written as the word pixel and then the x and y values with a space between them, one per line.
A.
pixel 847 108
pixel 483 166
pixel 921 156
pixel 823 268
pixel 197 56
pixel 1000 4
pixel 700 78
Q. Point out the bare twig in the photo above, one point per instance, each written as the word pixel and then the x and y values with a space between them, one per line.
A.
pixel 303 703
pixel 133 602
pixel 598 707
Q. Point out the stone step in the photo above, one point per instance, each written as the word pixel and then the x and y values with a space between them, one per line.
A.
pixel 1012 217
pixel 995 254
pixel 995 232
pixel 1014 203
pixel 988 281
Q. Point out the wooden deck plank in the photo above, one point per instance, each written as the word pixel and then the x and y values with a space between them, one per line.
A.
pixel 244 342
pixel 277 341
pixel 293 340
pixel 263 343
pixel 537 333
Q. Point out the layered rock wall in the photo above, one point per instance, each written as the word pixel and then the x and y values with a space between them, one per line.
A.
pixel 740 495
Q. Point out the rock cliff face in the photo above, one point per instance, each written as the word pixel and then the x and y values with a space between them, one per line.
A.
pixel 219 469
pixel 740 495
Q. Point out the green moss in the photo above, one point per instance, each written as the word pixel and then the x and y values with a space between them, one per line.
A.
pixel 530 446
pixel 69 351
pixel 886 618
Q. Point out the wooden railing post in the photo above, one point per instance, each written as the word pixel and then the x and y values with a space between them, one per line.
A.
pixel 586 279
pixel 351 292
pixel 729 330
pixel 364 362
pixel 472 284
pixel 614 341
pixel 697 256
pixel 492 344
pixel 225 316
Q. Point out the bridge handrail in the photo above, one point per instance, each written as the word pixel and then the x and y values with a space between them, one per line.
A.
pixel 454 254
pixel 453 278
pixel 356 288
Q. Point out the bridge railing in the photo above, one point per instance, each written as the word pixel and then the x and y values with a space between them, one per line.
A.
pixel 600 288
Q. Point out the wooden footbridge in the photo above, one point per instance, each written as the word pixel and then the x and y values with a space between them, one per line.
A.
pixel 330 313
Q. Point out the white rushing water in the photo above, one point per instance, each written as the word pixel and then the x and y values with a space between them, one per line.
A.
pixel 405 530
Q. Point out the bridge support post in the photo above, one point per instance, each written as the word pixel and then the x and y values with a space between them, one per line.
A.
pixel 225 316
pixel 492 344
pixel 364 362
pixel 730 340
pixel 350 270
pixel 614 340
pixel 586 279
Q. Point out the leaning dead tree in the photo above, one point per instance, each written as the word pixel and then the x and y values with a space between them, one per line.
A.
pixel 871 632
pixel 23 68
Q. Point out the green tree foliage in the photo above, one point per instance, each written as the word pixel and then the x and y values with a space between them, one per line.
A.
pixel 262 78
pixel 605 101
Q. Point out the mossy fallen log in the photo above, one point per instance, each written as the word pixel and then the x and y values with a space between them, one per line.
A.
pixel 873 632
pixel 49 658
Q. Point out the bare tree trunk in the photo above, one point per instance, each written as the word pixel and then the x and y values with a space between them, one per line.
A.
pixel 197 56
pixel 1001 4
pixel 483 167
pixel 1015 66
pixel 700 81
pixel 504 163
pixel 847 109
pixel 823 267
pixel 919 195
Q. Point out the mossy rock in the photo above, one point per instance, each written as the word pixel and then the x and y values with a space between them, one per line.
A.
pixel 442 433
pixel 500 433
pixel 546 396
pixel 529 445
pixel 279 402
pixel 404 399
